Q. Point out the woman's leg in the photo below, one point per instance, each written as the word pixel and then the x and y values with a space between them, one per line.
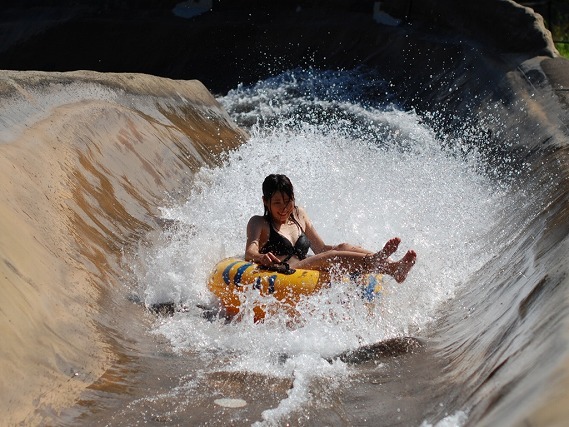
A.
pixel 349 257
pixel 362 261
pixel 389 248
pixel 399 269
pixel 345 260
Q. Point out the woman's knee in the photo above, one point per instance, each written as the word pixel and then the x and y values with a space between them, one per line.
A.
pixel 343 247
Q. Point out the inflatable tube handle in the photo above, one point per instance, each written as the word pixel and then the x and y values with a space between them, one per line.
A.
pixel 282 268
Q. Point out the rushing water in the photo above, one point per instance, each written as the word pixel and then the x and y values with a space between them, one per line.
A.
pixel 365 171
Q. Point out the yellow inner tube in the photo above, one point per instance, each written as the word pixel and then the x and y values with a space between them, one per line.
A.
pixel 233 276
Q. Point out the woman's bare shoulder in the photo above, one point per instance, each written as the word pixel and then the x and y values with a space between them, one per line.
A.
pixel 257 221
pixel 302 215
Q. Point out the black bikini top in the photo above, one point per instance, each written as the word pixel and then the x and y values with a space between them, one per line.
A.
pixel 280 245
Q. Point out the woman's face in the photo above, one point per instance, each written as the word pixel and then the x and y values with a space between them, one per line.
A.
pixel 280 207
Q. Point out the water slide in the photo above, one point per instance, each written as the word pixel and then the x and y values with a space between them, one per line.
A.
pixel 134 139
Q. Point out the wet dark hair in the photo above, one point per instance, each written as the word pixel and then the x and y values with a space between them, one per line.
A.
pixel 276 183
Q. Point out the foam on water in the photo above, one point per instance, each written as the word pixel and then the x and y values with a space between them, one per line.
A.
pixel 456 420
pixel 402 182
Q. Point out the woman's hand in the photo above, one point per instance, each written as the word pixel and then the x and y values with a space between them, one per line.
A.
pixel 268 259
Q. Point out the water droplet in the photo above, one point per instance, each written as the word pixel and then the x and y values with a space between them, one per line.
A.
pixel 230 403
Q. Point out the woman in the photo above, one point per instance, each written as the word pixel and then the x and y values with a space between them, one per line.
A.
pixel 285 233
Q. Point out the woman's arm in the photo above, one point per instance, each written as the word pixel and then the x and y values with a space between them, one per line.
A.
pixel 316 243
pixel 254 232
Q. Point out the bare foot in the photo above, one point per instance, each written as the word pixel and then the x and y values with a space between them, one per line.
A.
pixel 388 249
pixel 404 265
